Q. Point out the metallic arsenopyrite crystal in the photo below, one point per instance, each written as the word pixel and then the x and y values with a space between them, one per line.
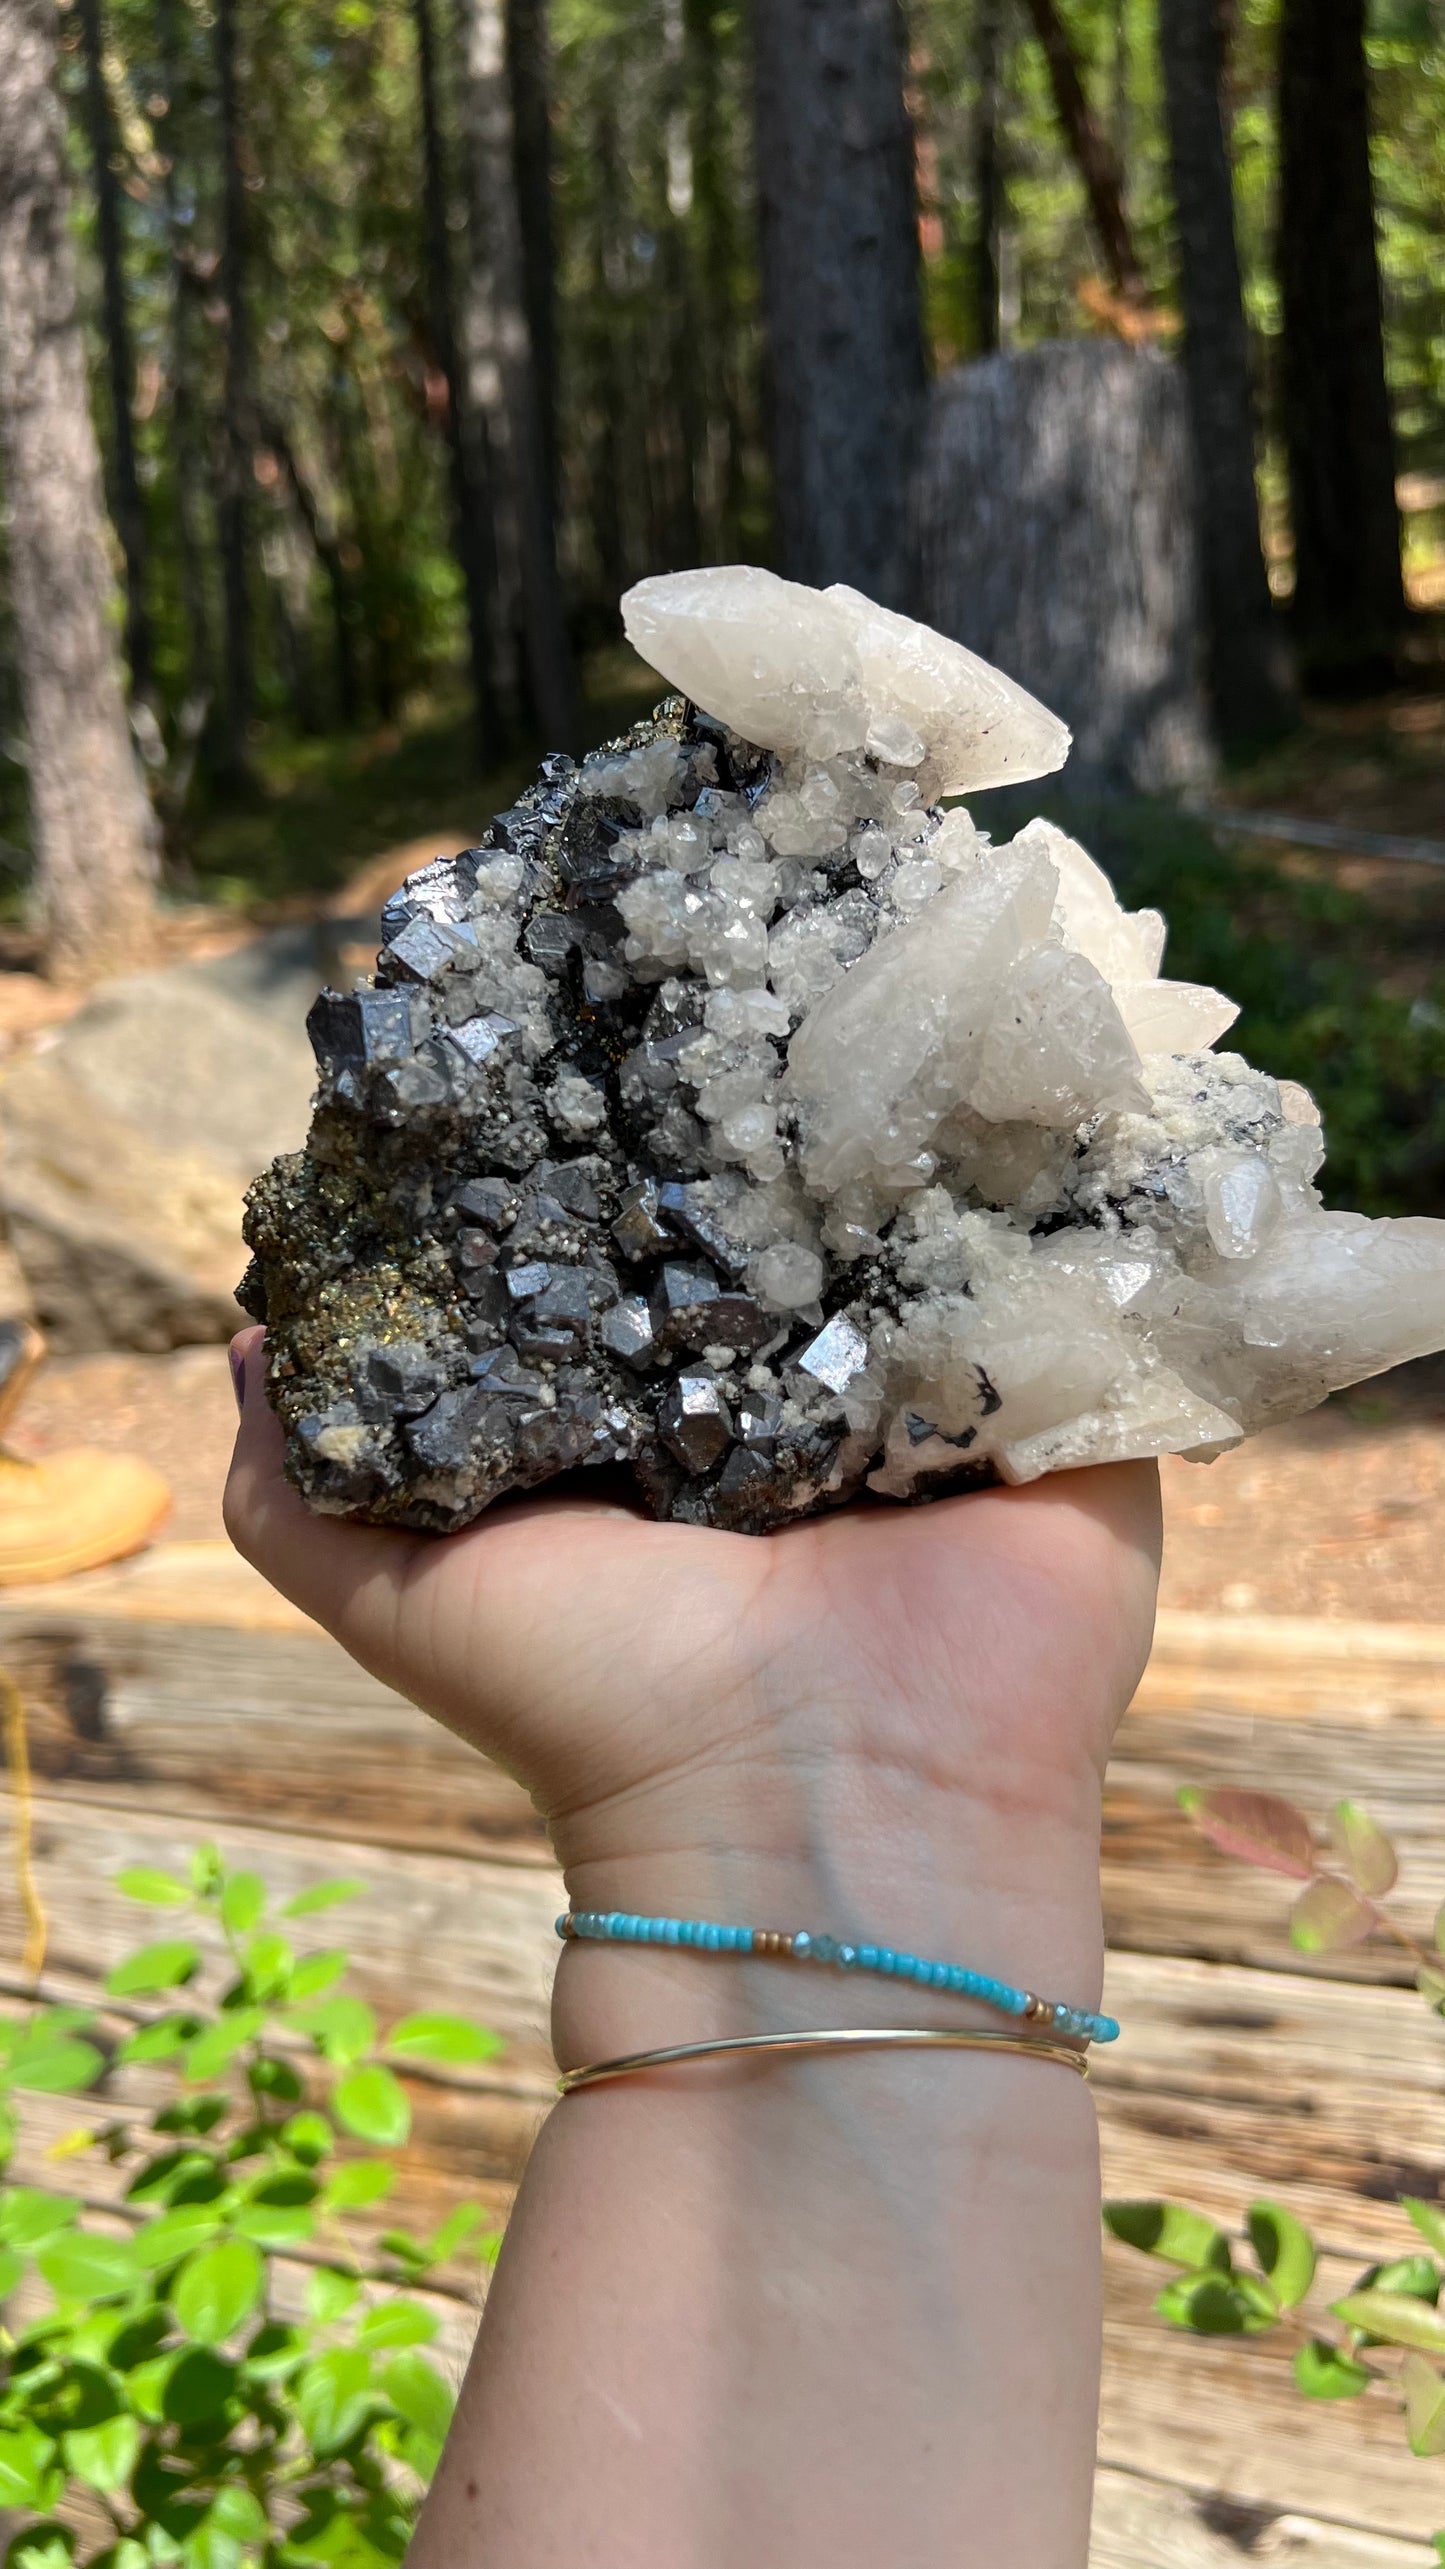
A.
pixel 738 1116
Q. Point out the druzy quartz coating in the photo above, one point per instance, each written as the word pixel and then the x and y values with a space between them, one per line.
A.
pixel 739 1115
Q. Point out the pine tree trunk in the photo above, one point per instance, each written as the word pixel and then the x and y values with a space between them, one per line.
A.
pixel 1248 669
pixel 127 507
pixel 188 478
pixel 1092 152
pixel 840 288
pixel 987 176
pixel 1349 603
pixel 529 70
pixel 94 840
pixel 471 523
pixel 237 427
pixel 497 340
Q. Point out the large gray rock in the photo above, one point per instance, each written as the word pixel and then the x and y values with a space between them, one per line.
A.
pixel 1054 522
pixel 129 1138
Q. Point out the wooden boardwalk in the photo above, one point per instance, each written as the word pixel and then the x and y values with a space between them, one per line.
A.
pixel 178 1698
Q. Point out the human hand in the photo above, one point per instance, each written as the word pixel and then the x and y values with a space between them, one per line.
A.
pixel 888 1721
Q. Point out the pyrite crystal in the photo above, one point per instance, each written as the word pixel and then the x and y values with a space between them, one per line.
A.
pixel 738 1115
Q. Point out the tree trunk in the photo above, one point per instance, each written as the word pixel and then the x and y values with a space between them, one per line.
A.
pixel 1093 153
pixel 326 546
pixel 715 344
pixel 530 73
pixel 472 532
pixel 1248 669
pixel 496 335
pixel 1349 603
pixel 237 427
pixel 840 289
pixel 94 840
pixel 188 477
pixel 987 176
pixel 127 508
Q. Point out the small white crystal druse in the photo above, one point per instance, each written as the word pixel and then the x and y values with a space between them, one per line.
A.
pixel 740 1115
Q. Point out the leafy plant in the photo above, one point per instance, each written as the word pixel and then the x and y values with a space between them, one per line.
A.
pixel 172 2384
pixel 1386 2335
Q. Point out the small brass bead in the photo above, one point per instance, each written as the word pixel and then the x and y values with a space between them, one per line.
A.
pixel 1037 2010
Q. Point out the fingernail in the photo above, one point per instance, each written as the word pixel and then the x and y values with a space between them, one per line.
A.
pixel 238 1377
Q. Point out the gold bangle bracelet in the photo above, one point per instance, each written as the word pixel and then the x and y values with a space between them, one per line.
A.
pixel 835 2038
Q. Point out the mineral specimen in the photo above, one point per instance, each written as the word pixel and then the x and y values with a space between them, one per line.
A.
pixel 737 1115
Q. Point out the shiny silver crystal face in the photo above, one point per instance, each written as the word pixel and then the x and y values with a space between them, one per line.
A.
pixel 738 1116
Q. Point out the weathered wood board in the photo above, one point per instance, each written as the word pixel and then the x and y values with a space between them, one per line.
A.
pixel 178 1699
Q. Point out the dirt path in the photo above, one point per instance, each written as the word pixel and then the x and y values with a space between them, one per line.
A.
pixel 1340 1514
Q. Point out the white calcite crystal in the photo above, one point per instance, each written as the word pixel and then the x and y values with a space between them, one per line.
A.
pixel 739 1115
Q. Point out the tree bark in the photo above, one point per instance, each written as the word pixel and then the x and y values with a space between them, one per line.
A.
pixel 715 345
pixel 472 531
pixel 1248 670
pixel 529 71
pixel 497 339
pixel 93 835
pixel 987 177
pixel 237 426
pixel 840 289
pixel 1093 153
pixel 186 456
pixel 127 507
pixel 327 548
pixel 1349 602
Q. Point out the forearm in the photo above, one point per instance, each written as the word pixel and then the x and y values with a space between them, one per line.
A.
pixel 820 2310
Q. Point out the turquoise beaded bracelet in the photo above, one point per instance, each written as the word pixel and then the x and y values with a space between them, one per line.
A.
pixel 705 1935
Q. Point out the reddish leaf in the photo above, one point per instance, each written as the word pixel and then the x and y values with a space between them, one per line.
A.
pixel 1329 1915
pixel 1258 1827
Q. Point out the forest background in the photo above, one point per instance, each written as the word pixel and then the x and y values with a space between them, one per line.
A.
pixel 416 330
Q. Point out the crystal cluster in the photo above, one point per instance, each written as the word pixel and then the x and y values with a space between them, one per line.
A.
pixel 739 1115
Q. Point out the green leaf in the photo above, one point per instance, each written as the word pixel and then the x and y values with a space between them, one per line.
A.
pixel 331 2397
pixel 12 2267
pixel 1431 1985
pixel 1328 1916
pixel 1171 2231
pixel 1429 2220
pixel 1285 2251
pixel 1396 2317
pixel 44 2546
pixel 275 2225
pixel 330 2293
pixel 452 2039
pixel 271 2077
pixel 161 1890
pixel 1424 2406
pixel 372 2104
pixel 276 2350
pixel 158 1966
pixel 197 2386
pixel 417 2391
pixel 173 2235
pixel 161 2041
pixel 243 1902
pixel 1322 2372
pixel 211 2051
pixel 29 2215
pixel 316 1973
pixel 359 2182
pixel 207 1871
pixel 1417 2275
pixel 1217 2305
pixel 27 2474
pixel 82 2266
pixel 269 1961
pixel 216 2289
pixel 322 1895
pixel 397 2323
pixel 449 2235
pixel 310 2137
pixel 341 2028
pixel 1366 1853
pixel 54 2065
pixel 1259 1828
pixel 103 2456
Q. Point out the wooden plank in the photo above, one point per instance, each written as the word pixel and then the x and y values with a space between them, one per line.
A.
pixel 1230 2083
pixel 1150 2524
pixel 430 1930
